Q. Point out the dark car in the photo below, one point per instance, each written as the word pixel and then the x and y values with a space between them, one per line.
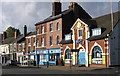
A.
pixel 11 62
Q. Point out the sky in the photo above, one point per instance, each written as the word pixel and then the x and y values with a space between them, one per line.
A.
pixel 18 14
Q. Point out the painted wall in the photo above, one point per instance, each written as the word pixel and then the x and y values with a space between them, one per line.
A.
pixel 114 44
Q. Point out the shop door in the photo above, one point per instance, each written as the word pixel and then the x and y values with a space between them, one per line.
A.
pixel 81 58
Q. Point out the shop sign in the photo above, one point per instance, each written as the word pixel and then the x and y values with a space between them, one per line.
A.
pixel 78 41
pixel 96 61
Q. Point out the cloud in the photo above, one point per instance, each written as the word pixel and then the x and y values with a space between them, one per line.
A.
pixel 17 14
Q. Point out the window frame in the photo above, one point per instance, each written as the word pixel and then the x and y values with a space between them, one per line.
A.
pixel 42 29
pixel 51 27
pixel 58 40
pixel 96 32
pixel 58 26
pixel 80 37
pixel 51 40
pixel 42 42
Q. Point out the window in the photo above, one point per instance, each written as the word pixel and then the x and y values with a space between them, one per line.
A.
pixel 96 31
pixel 33 48
pixel 57 39
pixel 23 47
pixel 37 42
pixel 34 39
pixel 79 34
pixel 29 41
pixel 42 29
pixel 42 57
pixel 19 47
pixel 37 30
pixel 52 57
pixel 51 27
pixel 42 41
pixel 29 49
pixel 57 25
pixel 96 52
pixel 68 37
pixel 51 40
pixel 67 54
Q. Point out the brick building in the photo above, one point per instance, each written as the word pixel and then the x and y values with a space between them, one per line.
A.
pixel 94 42
pixel 53 29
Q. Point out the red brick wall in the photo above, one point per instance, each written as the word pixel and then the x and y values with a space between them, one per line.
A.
pixel 83 38
pixel 100 42
pixel 64 47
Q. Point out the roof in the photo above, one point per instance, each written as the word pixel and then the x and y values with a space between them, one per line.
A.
pixel 104 22
pixel 79 9
pixel 8 40
pixel 31 33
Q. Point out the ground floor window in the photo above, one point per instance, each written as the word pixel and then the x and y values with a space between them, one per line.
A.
pixel 42 57
pixel 67 54
pixel 96 52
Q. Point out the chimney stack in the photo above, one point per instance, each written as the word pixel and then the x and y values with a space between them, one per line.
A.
pixel 15 34
pixel 4 35
pixel 56 7
pixel 72 4
pixel 25 30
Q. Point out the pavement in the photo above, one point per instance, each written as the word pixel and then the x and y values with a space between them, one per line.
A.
pixel 58 70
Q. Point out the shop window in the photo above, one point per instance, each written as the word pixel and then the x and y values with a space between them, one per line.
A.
pixel 51 27
pixel 96 53
pixel 67 54
pixel 79 34
pixel 58 26
pixel 42 58
pixel 52 57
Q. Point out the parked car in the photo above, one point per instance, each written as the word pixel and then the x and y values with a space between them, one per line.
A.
pixel 11 62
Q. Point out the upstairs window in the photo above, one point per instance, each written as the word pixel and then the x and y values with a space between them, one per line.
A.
pixel 42 29
pixel 96 31
pixel 51 40
pixel 79 34
pixel 42 41
pixel 29 41
pixel 19 47
pixel 34 39
pixel 57 39
pixel 37 42
pixel 37 30
pixel 67 37
pixel 58 26
pixel 51 27
pixel 23 46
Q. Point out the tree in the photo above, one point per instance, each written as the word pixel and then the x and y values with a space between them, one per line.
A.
pixel 11 30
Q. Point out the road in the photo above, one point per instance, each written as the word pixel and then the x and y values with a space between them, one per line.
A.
pixel 45 70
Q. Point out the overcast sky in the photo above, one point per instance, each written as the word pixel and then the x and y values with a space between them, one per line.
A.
pixel 17 14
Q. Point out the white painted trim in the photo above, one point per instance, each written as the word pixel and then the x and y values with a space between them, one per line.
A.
pixel 80 47
pixel 105 53
pixel 30 36
pixel 106 47
pixel 106 42
pixel 95 44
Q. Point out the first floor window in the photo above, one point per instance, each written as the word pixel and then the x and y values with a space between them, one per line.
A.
pixel 42 58
pixel 57 39
pixel 29 49
pixel 33 48
pixel 42 41
pixel 51 40
pixel 19 47
pixel 79 34
pixel 37 42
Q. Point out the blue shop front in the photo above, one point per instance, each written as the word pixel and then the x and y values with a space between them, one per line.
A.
pixel 48 55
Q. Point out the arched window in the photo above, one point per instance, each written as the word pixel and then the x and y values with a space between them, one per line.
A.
pixel 96 52
pixel 67 54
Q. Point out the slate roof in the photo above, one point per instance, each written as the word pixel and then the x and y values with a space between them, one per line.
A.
pixel 104 22
pixel 84 14
pixel 31 33
pixel 8 40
